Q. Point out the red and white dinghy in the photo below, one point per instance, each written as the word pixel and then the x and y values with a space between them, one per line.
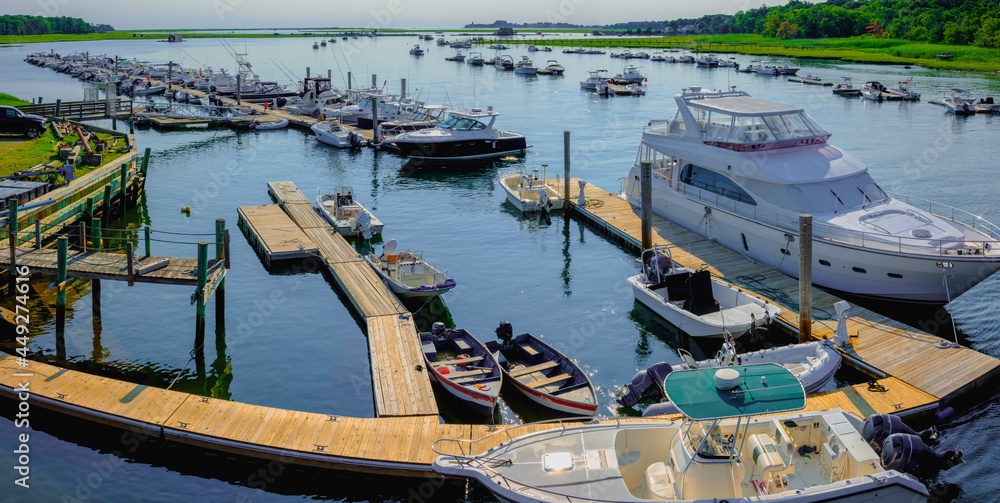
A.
pixel 543 374
pixel 463 366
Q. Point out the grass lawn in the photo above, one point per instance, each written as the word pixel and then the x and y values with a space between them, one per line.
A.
pixel 19 153
pixel 14 101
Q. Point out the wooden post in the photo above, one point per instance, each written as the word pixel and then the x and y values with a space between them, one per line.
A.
pixel 62 245
pixel 402 88
pixel 145 160
pixel 329 74
pixel 225 241
pixel 646 200
pixel 146 231
pixel 12 234
pixel 106 204
pixel 122 179
pixel 376 136
pixel 38 233
pixel 200 298
pixel 805 277
pixel 220 227
pixel 130 253
pixel 239 86
pixel 95 234
pixel 170 73
pixel 566 204
pixel 374 81
pixel 58 108
pixel 83 235
pixel 221 252
pixel 348 80
pixel 307 72
pixel 131 125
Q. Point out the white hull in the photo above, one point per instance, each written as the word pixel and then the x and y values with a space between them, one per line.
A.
pixel 529 200
pixel 879 273
pixel 346 226
pixel 738 314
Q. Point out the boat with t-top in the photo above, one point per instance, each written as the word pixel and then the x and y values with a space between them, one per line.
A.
pixel 740 170
pixel 744 437
pixel 464 134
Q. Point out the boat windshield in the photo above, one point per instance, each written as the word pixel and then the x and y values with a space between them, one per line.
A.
pixel 461 124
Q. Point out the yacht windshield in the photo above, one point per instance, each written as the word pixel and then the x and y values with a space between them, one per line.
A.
pixel 461 124
pixel 828 196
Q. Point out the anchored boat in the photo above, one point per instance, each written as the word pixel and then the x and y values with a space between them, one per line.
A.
pixel 408 275
pixel 694 302
pixel 865 241
pixel 724 449
pixel 543 374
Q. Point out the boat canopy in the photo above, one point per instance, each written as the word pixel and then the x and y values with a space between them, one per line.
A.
pixel 761 389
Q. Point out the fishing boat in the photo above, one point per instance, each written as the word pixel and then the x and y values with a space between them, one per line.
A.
pixel 876 91
pixel 333 133
pixel 525 67
pixel 865 241
pixel 904 92
pixel 348 216
pixel 543 374
pixel 408 275
pixel 812 363
pixel 553 67
pixel 457 57
pixel 741 439
pixel 465 134
pixel 630 75
pixel 503 62
pixel 959 103
pixel 594 77
pixel 695 302
pixel 416 50
pixel 528 193
pixel 463 366
pixel 475 58
pixel 846 88
pixel 658 56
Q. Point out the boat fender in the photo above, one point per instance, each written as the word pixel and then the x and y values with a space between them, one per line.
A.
pixel 944 414
pixel 444 370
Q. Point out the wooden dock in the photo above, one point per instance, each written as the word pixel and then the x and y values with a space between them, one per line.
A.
pixel 880 346
pixel 273 234
pixel 114 266
pixel 393 344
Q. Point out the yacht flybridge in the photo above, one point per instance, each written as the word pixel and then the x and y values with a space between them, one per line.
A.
pixel 740 170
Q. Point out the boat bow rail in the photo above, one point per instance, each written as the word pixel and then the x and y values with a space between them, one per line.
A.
pixel 968 245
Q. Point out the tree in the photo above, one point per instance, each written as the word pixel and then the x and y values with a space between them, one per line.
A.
pixel 875 30
pixel 787 30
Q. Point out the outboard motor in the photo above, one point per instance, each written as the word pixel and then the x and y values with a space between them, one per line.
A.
pixel 878 427
pixel 356 140
pixel 658 268
pixel 906 452
pixel 646 384
pixel 280 102
pixel 438 330
pixel 505 332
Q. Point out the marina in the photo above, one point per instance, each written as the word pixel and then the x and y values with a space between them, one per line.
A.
pixel 365 406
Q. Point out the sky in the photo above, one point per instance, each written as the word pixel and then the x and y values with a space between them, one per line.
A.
pixel 228 14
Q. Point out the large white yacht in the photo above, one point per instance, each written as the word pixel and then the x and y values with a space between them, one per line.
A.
pixel 740 170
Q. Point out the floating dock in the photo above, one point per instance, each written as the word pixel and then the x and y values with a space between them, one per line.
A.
pixel 273 234
pixel 115 266
pixel 401 386
pixel 879 346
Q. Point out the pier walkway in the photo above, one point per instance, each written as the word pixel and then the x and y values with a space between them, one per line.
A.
pixel 880 346
pixel 402 387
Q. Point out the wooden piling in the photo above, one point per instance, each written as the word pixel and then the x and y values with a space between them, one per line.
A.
pixel 375 81
pixel 805 277
pixel 348 80
pixel 130 253
pixel 221 252
pixel 95 235
pixel 82 230
pixel 200 293
pixel 145 160
pixel 58 107
pixel 12 233
pixel 376 137
pixel 146 232
pixel 402 88
pixel 122 179
pixel 566 205
pixel 106 204
pixel 307 72
pixel 38 233
pixel 239 85
pixel 646 197
pixel 62 246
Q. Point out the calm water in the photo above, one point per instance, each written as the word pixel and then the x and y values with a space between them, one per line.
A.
pixel 291 342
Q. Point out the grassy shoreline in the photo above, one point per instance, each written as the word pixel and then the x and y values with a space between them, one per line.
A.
pixel 14 101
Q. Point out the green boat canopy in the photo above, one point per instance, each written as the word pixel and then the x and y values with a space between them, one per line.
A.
pixel 762 389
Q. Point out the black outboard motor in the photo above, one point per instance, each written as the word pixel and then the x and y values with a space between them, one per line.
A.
pixel 906 452
pixel 878 427
pixel 505 332
pixel 438 331
pixel 646 384
pixel 281 102
pixel 657 268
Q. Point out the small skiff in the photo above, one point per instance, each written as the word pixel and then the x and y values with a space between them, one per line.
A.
pixel 347 215
pixel 463 366
pixel 408 275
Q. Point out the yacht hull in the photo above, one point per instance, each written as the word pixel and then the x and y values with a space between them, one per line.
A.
pixel 462 149
pixel 866 272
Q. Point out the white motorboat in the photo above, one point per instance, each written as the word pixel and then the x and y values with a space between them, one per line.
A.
pixel 408 275
pixel 904 92
pixel 708 61
pixel 525 67
pixel 812 363
pixel 631 75
pixel 442 41
pixel 658 56
pixel 464 134
pixel 959 103
pixel 875 91
pixel 503 62
pixel 457 57
pixel 333 133
pixel 741 440
pixel 348 216
pixel 475 58
pixel 553 67
pixel 846 88
pixel 594 77
pixel 315 45
pixel 987 105
pixel 416 50
pixel 528 193
pixel 722 165
pixel 695 302
pixel 317 93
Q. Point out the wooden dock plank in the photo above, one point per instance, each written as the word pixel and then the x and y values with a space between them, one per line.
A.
pixel 274 234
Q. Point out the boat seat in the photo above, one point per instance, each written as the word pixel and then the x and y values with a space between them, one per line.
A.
pixel 457 362
pixel 467 373
pixel 529 350
pixel 700 299
pixel 658 482
pixel 549 380
pixel 676 285
pixel 429 350
pixel 462 345
pixel 534 368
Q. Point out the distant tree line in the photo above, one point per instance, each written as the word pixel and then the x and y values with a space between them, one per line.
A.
pixel 38 25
